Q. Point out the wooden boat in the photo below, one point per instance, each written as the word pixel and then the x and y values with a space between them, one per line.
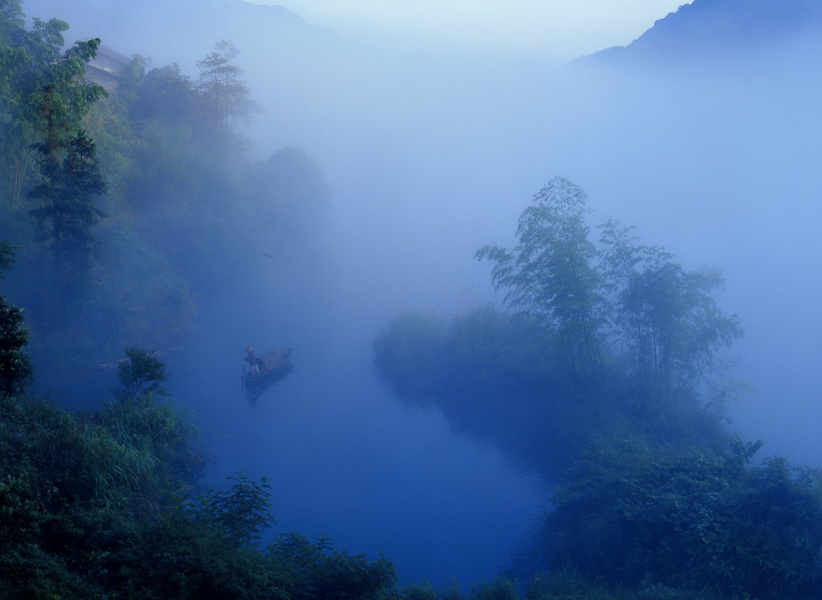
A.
pixel 271 363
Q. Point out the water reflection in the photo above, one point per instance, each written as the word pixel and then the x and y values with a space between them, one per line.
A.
pixel 256 388
pixel 349 461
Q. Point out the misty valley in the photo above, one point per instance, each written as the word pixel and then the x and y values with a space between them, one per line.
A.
pixel 284 315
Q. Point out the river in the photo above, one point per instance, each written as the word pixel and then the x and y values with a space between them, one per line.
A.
pixel 346 458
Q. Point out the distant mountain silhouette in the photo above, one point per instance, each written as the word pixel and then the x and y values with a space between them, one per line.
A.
pixel 181 30
pixel 708 30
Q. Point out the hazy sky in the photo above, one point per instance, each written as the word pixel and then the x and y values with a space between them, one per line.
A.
pixel 557 28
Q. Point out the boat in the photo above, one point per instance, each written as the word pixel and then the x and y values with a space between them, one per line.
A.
pixel 270 364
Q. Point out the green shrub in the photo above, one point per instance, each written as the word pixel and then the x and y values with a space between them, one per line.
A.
pixel 632 512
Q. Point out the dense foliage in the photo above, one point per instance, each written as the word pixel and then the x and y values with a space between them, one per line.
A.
pixel 597 377
pixel 624 295
pixel 130 202
pixel 694 519
pixel 103 505
pixel 613 338
pixel 15 366
pixel 550 277
pixel 100 506
pixel 127 203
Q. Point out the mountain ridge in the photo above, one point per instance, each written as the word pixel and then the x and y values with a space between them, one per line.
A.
pixel 185 29
pixel 716 29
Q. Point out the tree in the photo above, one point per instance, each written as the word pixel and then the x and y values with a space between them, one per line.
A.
pixel 666 317
pixel 289 195
pixel 69 174
pixel 243 512
pixel 316 571
pixel 66 195
pixel 225 94
pixel 45 97
pixel 633 512
pixel 550 277
pixel 15 131
pixel 15 365
pixel 12 20
pixel 59 94
pixel 140 374
pixel 160 94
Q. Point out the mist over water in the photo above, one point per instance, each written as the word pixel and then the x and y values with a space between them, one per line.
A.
pixel 346 459
pixel 718 167
pixel 428 160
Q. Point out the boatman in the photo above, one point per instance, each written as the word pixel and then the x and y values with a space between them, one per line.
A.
pixel 252 360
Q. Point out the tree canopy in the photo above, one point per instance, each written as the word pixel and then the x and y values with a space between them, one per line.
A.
pixel 624 298
pixel 595 376
pixel 130 203
pixel 15 364
pixel 665 316
pixel 550 278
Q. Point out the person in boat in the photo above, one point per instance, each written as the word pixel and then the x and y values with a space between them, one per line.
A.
pixel 251 359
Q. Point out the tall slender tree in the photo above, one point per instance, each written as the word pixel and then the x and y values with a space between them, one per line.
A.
pixel 57 98
pixel 551 279
pixel 665 316
pixel 66 195
pixel 225 94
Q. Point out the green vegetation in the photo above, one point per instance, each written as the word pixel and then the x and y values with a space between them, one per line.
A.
pixel 550 278
pixel 224 92
pixel 15 366
pixel 597 378
pixel 696 519
pixel 101 506
pixel 590 301
pixel 664 316
pixel 123 207
pixel 129 203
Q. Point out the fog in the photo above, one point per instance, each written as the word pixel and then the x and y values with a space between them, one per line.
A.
pixel 429 157
pixel 562 29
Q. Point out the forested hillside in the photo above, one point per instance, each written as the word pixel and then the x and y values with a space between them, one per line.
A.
pixel 127 206
pixel 120 210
